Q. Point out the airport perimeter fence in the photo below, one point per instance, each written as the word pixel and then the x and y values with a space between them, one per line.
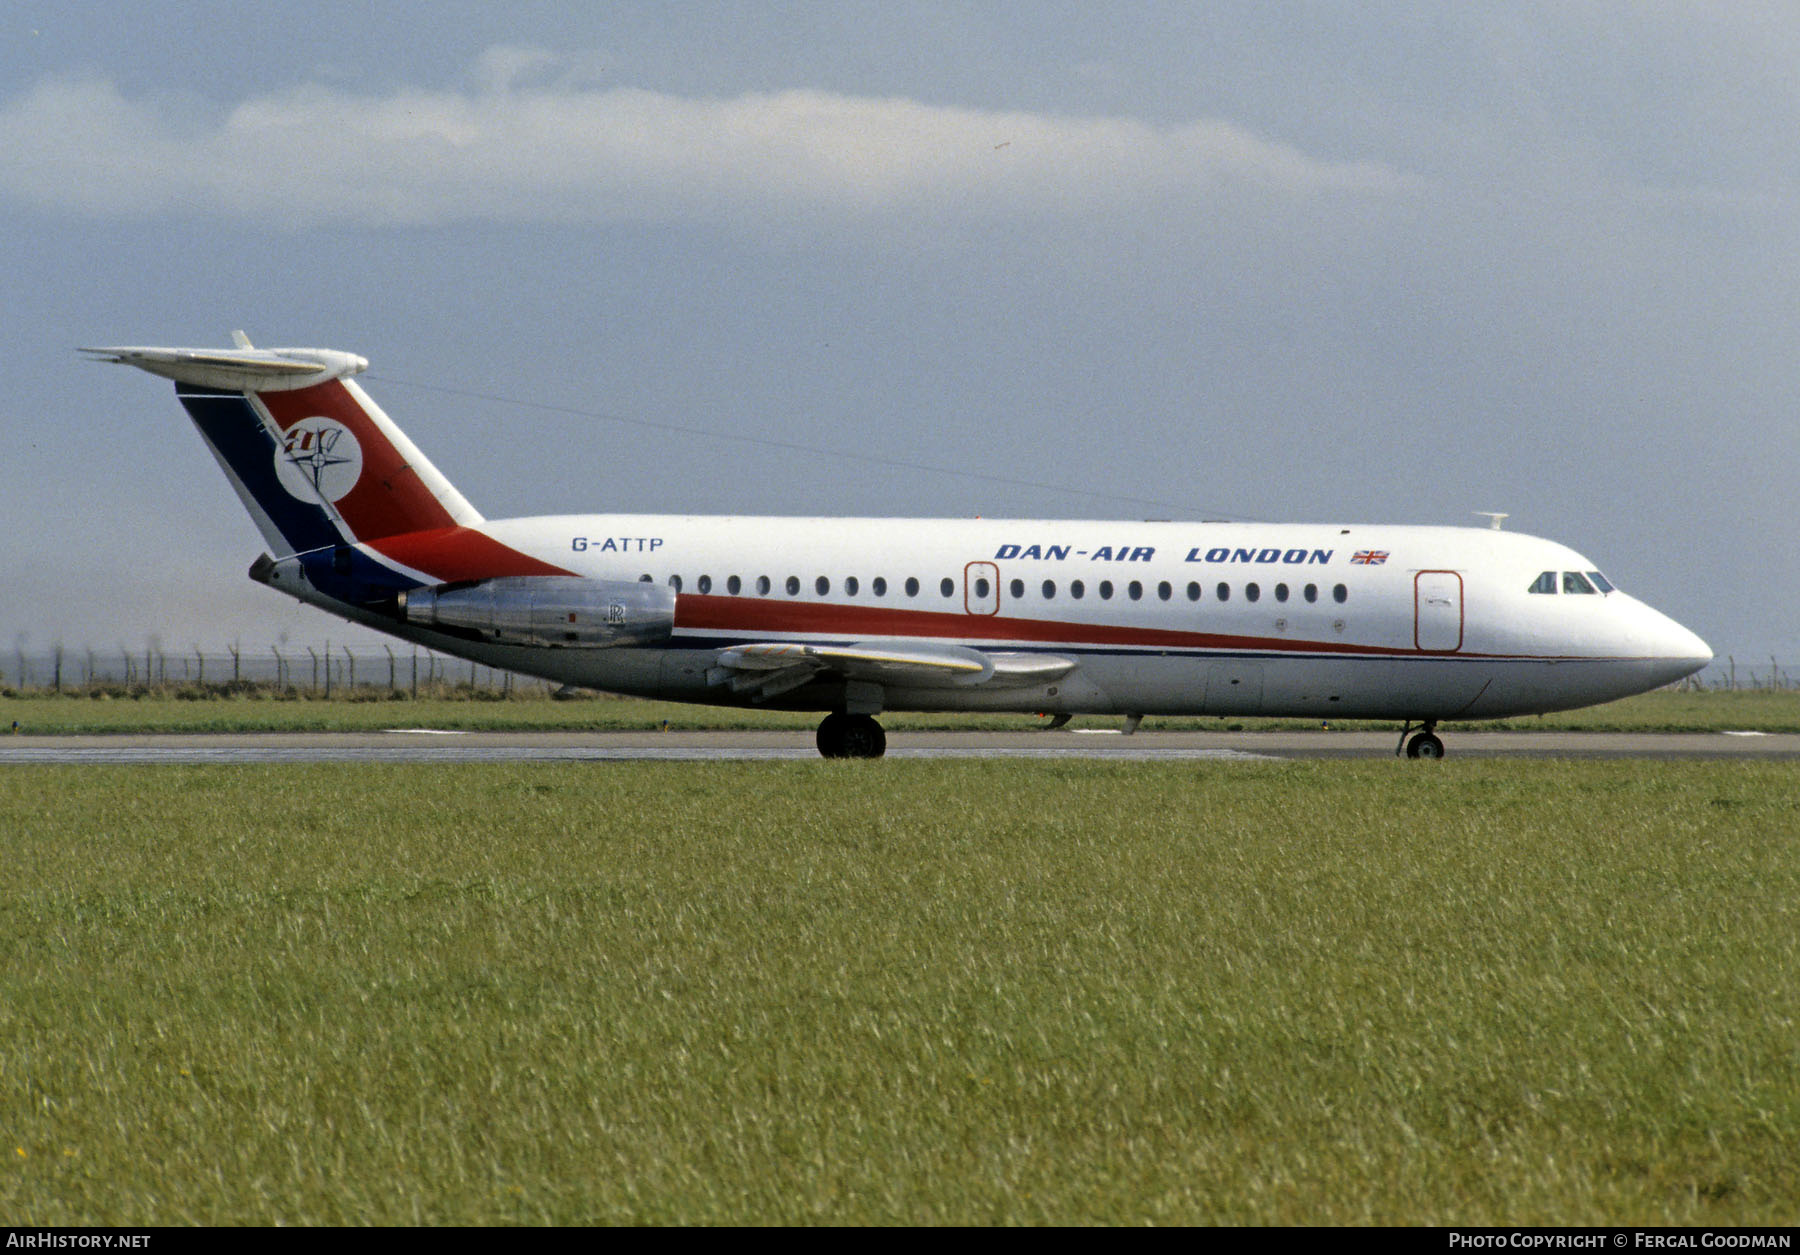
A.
pixel 313 671
pixel 322 671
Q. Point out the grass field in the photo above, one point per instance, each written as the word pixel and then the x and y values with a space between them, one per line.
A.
pixel 1763 711
pixel 983 992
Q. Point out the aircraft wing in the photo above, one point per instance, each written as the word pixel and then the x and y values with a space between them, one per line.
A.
pixel 769 668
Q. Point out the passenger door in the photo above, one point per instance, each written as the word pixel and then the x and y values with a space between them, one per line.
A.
pixel 1437 611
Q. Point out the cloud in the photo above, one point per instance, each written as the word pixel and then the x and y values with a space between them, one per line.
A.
pixel 516 148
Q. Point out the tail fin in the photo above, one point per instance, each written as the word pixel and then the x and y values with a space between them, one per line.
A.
pixel 316 462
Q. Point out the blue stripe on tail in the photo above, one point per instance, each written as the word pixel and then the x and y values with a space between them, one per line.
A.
pixel 229 424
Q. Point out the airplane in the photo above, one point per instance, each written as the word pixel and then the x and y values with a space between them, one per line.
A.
pixel 854 617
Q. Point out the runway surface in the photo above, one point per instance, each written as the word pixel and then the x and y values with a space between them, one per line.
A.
pixel 427 746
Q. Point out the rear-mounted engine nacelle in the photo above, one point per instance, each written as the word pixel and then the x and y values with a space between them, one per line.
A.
pixel 556 610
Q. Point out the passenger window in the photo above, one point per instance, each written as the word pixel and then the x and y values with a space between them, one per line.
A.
pixel 850 586
pixel 981 589
pixel 822 586
pixel 793 585
pixel 1281 592
pixel 1105 590
pixel 1135 591
pixel 947 586
pixel 734 586
pixel 1312 592
pixel 1193 591
pixel 912 586
pixel 1576 582
pixel 1600 581
pixel 675 582
pixel 1017 588
pixel 1163 591
pixel 1340 594
pixel 1076 589
pixel 878 586
pixel 704 584
pixel 1252 592
pixel 1545 583
pixel 1049 590
pixel 1224 591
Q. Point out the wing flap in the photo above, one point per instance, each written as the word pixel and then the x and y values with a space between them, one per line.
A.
pixel 773 667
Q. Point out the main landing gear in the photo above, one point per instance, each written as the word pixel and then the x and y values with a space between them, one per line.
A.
pixel 851 736
pixel 1424 745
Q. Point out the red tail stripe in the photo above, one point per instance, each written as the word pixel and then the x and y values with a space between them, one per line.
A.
pixel 460 553
pixel 390 498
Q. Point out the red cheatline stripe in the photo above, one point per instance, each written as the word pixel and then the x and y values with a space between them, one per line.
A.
pixel 756 616
pixel 390 498
pixel 460 553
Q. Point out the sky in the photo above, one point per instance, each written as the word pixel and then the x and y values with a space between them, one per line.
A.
pixel 1338 262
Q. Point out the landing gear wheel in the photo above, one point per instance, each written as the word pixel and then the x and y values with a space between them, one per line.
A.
pixel 851 736
pixel 1425 745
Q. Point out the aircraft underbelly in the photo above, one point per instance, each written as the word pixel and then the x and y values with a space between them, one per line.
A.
pixel 1235 686
pixel 1533 686
pixel 1139 684
pixel 1398 686
pixel 1099 684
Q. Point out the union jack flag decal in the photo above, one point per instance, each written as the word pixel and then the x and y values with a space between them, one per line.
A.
pixel 1369 557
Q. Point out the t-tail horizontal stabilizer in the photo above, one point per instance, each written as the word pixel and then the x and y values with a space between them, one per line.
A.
pixel 238 370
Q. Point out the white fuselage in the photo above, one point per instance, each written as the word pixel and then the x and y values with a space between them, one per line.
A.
pixel 1158 617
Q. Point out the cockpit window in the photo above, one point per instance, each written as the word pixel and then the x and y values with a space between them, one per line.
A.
pixel 1600 581
pixel 1576 582
pixel 1545 583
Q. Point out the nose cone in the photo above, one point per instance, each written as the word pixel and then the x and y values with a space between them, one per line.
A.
pixel 1688 647
pixel 1674 652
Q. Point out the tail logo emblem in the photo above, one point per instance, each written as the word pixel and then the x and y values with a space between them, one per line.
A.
pixel 318 457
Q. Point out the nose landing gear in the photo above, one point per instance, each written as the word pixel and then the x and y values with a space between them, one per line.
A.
pixel 1424 745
